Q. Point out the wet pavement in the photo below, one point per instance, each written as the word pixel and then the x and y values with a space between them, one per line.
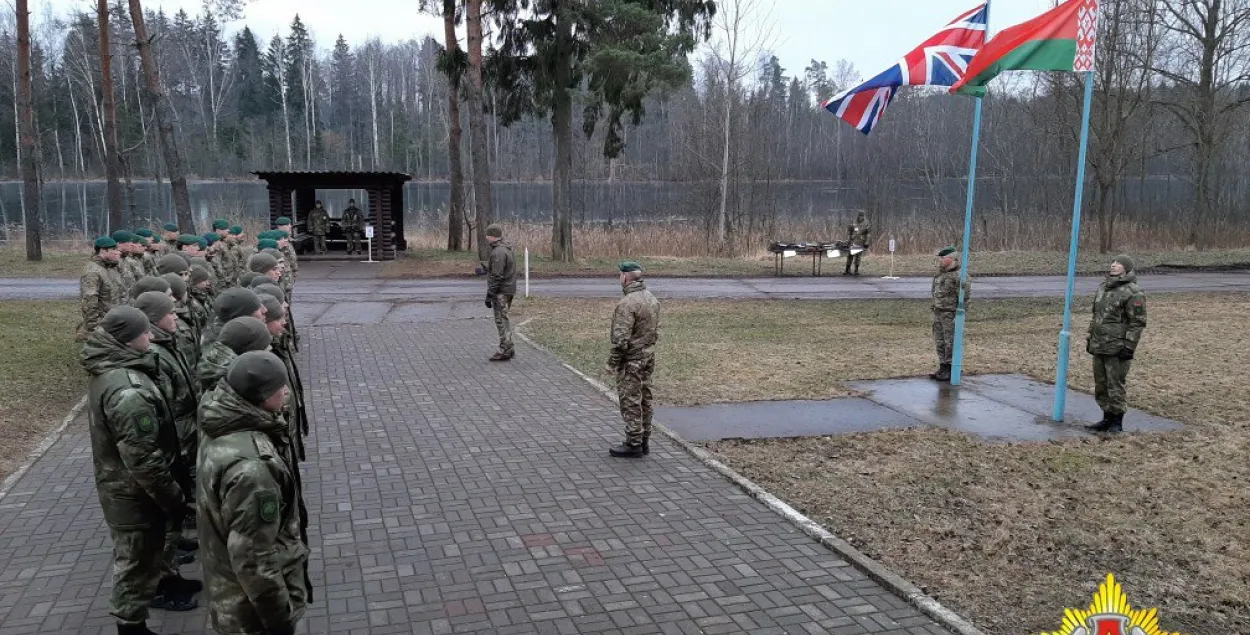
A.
pixel 996 408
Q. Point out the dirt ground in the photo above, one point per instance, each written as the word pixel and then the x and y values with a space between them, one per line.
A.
pixel 1010 535
pixel 40 378
pixel 56 263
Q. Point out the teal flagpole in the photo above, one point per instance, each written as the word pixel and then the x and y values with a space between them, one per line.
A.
pixel 1065 336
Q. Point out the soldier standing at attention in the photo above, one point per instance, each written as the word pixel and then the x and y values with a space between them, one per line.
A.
pixel 151 249
pixel 134 458
pixel 500 287
pixel 128 264
pixel 250 504
pixel 221 227
pixel 635 330
pixel 101 286
pixel 353 224
pixel 857 234
pixel 319 226
pixel 169 231
pixel 238 336
pixel 945 302
pixel 284 225
pixel 1114 333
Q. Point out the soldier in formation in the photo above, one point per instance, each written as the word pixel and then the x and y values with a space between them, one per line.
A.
pixel 1115 330
pixel 635 331
pixel 353 225
pixel 319 226
pixel 500 289
pixel 858 235
pixel 945 302
pixel 101 286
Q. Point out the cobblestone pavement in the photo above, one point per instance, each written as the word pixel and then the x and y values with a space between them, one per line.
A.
pixel 449 494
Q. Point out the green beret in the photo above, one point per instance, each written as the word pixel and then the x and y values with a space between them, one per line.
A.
pixel 210 238
pixel 946 251
pixel 172 263
pixel 267 243
pixel 202 242
pixel 273 308
pixel 124 323
pixel 105 242
pixel 199 274
pixel 145 232
pixel 123 236
pixel 236 230
pixel 270 289
pixel 262 263
pixel 243 334
pixel 177 285
pixel 236 302
pixel 628 266
pixel 188 239
pixel 281 234
pixel 221 223
pixel 148 283
pixel 256 376
pixel 1126 260
pixel 155 305
pixel 169 227
pixel 282 220
pixel 494 231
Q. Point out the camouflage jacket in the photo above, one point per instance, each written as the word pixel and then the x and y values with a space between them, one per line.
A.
pixel 214 361
pixel 1119 316
pixel 352 219
pixel 635 325
pixel 223 270
pixel 946 289
pixel 294 409
pixel 501 270
pixel 100 288
pixel 149 263
pixel 250 517
pixel 131 269
pixel 859 234
pixel 132 452
pixel 174 375
pixel 292 259
pixel 188 337
pixel 201 305
pixel 318 222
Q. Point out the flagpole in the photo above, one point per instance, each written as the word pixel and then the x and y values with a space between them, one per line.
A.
pixel 1065 336
pixel 957 355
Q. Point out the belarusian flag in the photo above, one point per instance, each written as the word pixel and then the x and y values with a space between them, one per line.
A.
pixel 1062 39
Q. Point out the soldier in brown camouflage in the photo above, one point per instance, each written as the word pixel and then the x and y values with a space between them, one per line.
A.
pixel 945 302
pixel 101 287
pixel 500 289
pixel 635 330
pixel 857 235
pixel 1115 330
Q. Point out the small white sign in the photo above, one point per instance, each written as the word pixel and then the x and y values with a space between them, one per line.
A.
pixel 369 232
pixel 856 250
pixel 789 253
pixel 891 245
pixel 833 253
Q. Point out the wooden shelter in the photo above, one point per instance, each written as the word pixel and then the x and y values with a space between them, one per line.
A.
pixel 293 194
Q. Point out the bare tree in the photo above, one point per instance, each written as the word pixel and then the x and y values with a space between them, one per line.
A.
pixel 28 140
pixel 452 63
pixel 112 164
pixel 478 148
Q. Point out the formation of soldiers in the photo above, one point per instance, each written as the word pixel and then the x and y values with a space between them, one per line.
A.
pixel 197 424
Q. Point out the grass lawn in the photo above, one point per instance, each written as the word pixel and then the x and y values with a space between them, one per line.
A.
pixel 434 263
pixel 40 378
pixel 55 263
pixel 1007 535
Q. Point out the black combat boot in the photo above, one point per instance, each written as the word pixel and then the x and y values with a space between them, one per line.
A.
pixel 627 451
pixel 646 442
pixel 1102 425
pixel 177 594
pixel 1111 423
pixel 188 544
pixel 943 373
pixel 134 629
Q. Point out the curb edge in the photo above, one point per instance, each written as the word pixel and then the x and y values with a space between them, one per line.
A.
pixel 41 449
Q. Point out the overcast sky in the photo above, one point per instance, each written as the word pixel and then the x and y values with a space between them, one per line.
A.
pixel 870 33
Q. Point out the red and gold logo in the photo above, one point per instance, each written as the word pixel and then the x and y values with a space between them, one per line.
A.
pixel 1111 614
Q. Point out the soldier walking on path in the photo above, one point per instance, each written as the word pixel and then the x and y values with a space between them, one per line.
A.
pixel 319 226
pixel 1114 332
pixel 500 288
pixel 635 330
pixel 101 286
pixel 945 302
pixel 255 557
pixel 353 224
pixel 133 455
pixel 857 234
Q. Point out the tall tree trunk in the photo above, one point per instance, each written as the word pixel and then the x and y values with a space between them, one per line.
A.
pixel 30 157
pixel 722 221
pixel 1103 216
pixel 117 217
pixel 455 215
pixel 562 128
pixel 164 121
pixel 478 150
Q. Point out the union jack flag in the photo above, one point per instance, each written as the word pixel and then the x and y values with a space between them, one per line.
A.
pixel 939 61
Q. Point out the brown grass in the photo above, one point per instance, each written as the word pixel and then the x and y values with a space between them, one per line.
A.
pixel 1006 535
pixel 40 379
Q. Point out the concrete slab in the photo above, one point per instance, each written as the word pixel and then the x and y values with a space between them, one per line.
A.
pixel 355 313
pixel 781 419
pixel 418 312
pixel 1038 398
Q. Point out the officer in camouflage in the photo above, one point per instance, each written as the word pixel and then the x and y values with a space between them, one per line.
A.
pixel 945 302
pixel 500 288
pixel 319 226
pixel 857 234
pixel 1119 318
pixel 635 331
pixel 101 286
pixel 353 223
pixel 133 457
pixel 250 504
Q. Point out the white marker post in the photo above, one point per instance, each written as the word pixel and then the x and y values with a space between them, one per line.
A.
pixel 893 245
pixel 527 272
pixel 369 237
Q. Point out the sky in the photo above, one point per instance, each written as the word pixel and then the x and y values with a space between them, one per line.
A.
pixel 871 34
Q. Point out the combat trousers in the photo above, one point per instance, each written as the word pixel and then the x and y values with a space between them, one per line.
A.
pixel 1110 378
pixel 501 303
pixel 633 392
pixel 854 259
pixel 353 240
pixel 944 334
pixel 137 556
pixel 319 243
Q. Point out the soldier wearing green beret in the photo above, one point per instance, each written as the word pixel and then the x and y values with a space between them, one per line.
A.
pixel 253 518
pixel 292 261
pixel 129 263
pixel 221 228
pixel 635 331
pixel 189 244
pixel 500 288
pixel 169 231
pixel 152 250
pixel 945 302
pixel 101 286
pixel 133 456
pixel 353 225
pixel 1115 330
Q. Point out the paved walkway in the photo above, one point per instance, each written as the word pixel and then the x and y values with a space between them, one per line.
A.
pixel 451 495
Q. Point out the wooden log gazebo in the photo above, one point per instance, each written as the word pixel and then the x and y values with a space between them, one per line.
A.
pixel 384 201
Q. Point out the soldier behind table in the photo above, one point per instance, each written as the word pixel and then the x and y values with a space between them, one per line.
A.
pixel 945 302
pixel 101 286
pixel 500 288
pixel 133 456
pixel 635 331
pixel 319 226
pixel 1119 318
pixel 857 234
pixel 251 509
pixel 353 224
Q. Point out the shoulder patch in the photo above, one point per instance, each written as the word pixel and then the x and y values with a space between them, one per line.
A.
pixel 267 506
pixel 146 425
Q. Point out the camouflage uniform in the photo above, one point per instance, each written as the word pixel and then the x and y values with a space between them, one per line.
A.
pixel 131 269
pixel 149 264
pixel 857 234
pixel 176 380
pixel 353 224
pixel 201 305
pixel 213 365
pixel 319 226
pixel 100 288
pixel 292 260
pixel 252 518
pixel 945 302
pixel 188 337
pixel 500 288
pixel 134 459
pixel 295 412
pixel 635 330
pixel 1119 317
